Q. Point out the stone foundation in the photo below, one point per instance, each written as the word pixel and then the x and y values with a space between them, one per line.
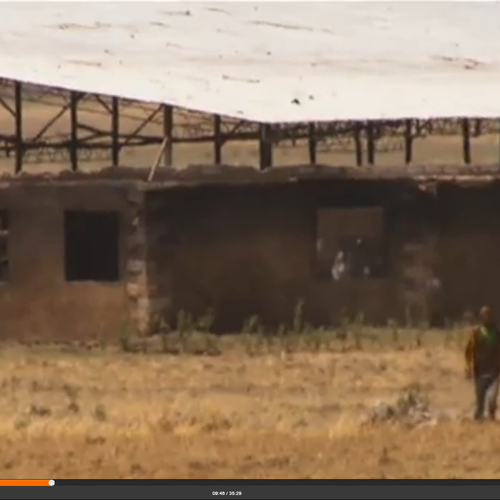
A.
pixel 148 302
pixel 137 275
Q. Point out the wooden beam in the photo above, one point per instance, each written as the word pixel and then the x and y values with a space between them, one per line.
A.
pixel 157 161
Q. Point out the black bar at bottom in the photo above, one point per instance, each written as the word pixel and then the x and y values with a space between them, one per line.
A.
pixel 278 482
pixel 283 491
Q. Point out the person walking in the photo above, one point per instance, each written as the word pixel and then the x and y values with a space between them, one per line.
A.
pixel 482 363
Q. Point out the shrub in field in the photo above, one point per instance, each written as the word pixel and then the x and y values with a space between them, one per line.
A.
pixel 419 334
pixel 394 327
pixel 72 394
pixel 185 323
pixel 100 413
pixel 252 335
pixel 298 317
pixel 164 329
pixel 101 339
pixel 125 338
pixel 206 322
pixel 358 331
pixel 252 325
pixel 191 335
pixel 185 327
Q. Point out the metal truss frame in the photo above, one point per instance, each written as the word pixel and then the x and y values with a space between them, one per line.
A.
pixel 86 143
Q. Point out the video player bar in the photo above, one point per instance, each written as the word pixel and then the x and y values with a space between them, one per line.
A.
pixel 252 489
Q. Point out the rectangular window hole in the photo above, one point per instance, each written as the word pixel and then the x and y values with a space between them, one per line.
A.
pixel 91 246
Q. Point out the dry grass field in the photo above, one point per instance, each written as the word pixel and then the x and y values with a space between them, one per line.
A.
pixel 276 411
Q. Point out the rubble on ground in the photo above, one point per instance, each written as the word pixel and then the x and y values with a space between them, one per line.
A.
pixel 411 407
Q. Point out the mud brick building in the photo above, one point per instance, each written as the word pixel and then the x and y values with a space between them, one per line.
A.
pixel 82 257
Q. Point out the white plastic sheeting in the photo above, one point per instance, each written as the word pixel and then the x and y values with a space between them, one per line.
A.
pixel 266 62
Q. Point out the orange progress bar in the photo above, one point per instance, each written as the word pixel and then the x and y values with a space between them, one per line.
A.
pixel 25 482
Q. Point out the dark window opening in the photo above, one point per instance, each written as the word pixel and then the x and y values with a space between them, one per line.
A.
pixel 4 246
pixel 91 246
pixel 351 244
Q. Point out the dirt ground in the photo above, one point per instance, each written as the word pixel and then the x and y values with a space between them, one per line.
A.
pixel 110 414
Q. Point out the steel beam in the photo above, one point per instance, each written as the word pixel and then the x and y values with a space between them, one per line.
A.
pixel 466 141
pixel 312 143
pixel 408 142
pixel 115 131
pixel 370 141
pixel 73 143
pixel 96 132
pixel 149 119
pixel 208 129
pixel 56 117
pixel 232 133
pixel 18 107
pixel 478 128
pixel 51 122
pixel 217 140
pixel 265 147
pixel 7 107
pixel 104 104
pixel 358 145
pixel 168 127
